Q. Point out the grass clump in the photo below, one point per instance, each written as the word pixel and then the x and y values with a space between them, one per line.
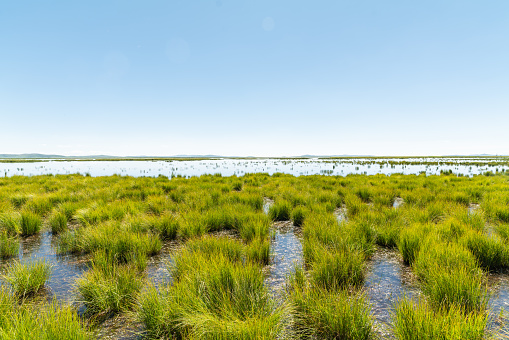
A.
pixel 215 295
pixel 491 252
pixel 167 226
pixel 258 251
pixel 280 211
pixel 451 277
pixel 28 278
pixel 410 243
pixel 256 226
pixel 46 321
pixel 108 287
pixel 9 245
pixel 237 186
pixel 338 269
pixel 120 243
pixel 326 314
pixel 10 223
pixel 298 216
pixel 58 222
pixel 30 224
pixel 18 201
pixel 70 241
pixel 420 321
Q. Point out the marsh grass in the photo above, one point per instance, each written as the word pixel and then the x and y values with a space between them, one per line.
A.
pixel 10 222
pixel 451 276
pixel 326 314
pixel 298 216
pixel 46 321
pixel 258 251
pixel 121 221
pixel 418 320
pixel 192 225
pixel 109 288
pixel 354 206
pixel 167 226
pixel 27 279
pixel 365 194
pixel 58 222
pixel 491 252
pixel 410 243
pixel 216 295
pixel 9 245
pixel 237 186
pixel 253 227
pixel 280 211
pixel 69 209
pixel 39 205
pixel 18 200
pixel 69 242
pixel 502 231
pixel 334 270
pixel 30 223
pixel 113 238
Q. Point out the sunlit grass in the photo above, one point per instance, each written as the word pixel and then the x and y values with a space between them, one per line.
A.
pixel 419 320
pixel 222 268
pixel 27 278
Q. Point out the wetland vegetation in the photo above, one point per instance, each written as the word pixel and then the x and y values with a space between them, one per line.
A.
pixel 188 167
pixel 441 239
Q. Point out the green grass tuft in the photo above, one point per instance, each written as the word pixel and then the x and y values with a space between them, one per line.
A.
pixel 58 222
pixel 9 245
pixel 418 321
pixel 28 278
pixel 108 287
pixel 31 223
pixel 280 211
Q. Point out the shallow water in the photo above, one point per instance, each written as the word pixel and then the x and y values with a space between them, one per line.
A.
pixel 388 280
pixel 120 327
pixel 287 253
pixel 472 208
pixel 65 269
pixel 227 167
pixel 267 203
pixel 158 265
pixel 499 301
pixel 341 214
pixel 398 202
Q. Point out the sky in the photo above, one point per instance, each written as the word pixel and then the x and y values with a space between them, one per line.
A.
pixel 254 78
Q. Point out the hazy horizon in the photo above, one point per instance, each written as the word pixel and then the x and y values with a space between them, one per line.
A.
pixel 257 78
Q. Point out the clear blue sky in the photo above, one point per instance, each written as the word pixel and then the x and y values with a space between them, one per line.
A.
pixel 263 78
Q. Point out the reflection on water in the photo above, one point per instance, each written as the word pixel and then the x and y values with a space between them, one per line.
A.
pixel 158 265
pixel 228 167
pixel 340 214
pixel 287 253
pixel 472 207
pixel 267 203
pixel 388 280
pixel 120 327
pixel 398 202
pixel 499 302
